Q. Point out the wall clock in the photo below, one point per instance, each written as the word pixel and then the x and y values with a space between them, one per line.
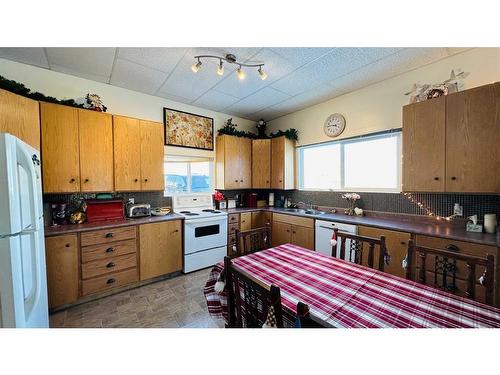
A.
pixel 334 125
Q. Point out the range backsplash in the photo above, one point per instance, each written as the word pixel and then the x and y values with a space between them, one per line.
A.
pixel 439 203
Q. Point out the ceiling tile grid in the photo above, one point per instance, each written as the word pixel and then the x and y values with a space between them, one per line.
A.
pixel 297 77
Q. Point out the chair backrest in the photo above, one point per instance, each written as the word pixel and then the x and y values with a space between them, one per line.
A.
pixel 253 240
pixel 249 300
pixel 356 246
pixel 445 264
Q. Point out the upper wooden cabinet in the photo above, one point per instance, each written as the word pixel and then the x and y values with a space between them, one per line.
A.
pixel 96 151
pixel 473 140
pixel 20 117
pixel 77 149
pixel 233 162
pixel 450 144
pixel 261 163
pixel 282 163
pixel 423 146
pixel 138 154
pixel 60 148
pixel 127 153
pixel 152 155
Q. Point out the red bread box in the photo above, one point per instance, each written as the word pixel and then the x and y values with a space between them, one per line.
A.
pixel 104 209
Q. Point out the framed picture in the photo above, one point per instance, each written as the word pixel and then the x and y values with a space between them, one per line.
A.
pixel 184 129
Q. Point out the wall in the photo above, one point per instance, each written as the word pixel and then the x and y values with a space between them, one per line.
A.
pixel 378 106
pixel 118 100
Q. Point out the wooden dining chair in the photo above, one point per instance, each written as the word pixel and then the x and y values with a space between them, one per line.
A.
pixel 249 300
pixel 356 246
pixel 253 240
pixel 445 270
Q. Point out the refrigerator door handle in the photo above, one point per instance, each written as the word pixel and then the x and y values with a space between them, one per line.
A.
pixel 25 160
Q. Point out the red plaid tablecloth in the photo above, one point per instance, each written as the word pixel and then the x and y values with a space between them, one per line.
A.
pixel 344 294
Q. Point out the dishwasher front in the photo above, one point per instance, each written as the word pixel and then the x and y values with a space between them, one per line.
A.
pixel 324 232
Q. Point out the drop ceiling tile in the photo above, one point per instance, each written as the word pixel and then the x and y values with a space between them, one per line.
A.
pixel 260 100
pixel 136 77
pixel 85 61
pixel 320 94
pixel 300 56
pixel 174 98
pixel 377 53
pixel 334 64
pixel 215 100
pixel 70 71
pixel 275 67
pixel 268 114
pixel 31 56
pixel 164 59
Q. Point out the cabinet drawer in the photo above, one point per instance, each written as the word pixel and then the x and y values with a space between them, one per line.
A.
pixel 115 280
pixel 231 230
pixel 458 246
pixel 294 220
pixel 106 251
pixel 105 266
pixel 233 218
pixel 108 235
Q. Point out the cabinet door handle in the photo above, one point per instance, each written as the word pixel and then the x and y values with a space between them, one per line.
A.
pixel 86 180
pixel 72 181
pixel 281 180
pixel 403 243
pixel 67 245
pixel 110 250
pixel 452 247
pixel 110 281
pixel 453 178
pixel 135 180
pixel 176 231
pixel 108 235
pixel 145 180
pixel 288 230
pixel 241 180
pixel 294 232
pixel 235 180
pixel 436 178
pixel 110 265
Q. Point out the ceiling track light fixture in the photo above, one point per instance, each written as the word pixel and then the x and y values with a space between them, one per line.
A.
pixel 231 59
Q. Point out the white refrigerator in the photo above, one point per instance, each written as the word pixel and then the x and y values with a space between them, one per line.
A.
pixel 23 280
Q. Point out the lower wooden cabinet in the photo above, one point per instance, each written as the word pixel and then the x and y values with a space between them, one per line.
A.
pixel 261 219
pixel 396 244
pixel 293 229
pixel 61 253
pixel 245 221
pixel 160 248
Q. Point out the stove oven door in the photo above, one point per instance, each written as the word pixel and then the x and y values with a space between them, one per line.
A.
pixel 204 234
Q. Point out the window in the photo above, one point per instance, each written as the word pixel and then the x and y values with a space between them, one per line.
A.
pixel 187 175
pixel 368 163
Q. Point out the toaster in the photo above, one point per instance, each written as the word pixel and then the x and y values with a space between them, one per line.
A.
pixel 138 210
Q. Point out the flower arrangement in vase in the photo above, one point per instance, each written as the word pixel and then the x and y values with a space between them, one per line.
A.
pixel 351 199
pixel 218 198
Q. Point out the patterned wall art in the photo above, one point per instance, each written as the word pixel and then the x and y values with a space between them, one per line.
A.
pixel 189 130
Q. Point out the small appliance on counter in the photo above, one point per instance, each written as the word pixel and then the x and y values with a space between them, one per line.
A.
pixel 59 211
pixel 138 210
pixel 104 209
pixel 240 199
pixel 252 200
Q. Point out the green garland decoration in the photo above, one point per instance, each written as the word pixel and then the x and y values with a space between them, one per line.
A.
pixel 230 129
pixel 20 89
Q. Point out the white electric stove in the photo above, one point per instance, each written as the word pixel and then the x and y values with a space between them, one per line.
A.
pixel 205 231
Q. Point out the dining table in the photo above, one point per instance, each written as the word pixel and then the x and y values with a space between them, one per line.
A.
pixel 342 294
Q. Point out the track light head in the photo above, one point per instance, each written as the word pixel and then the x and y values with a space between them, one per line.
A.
pixel 196 66
pixel 262 74
pixel 220 69
pixel 241 73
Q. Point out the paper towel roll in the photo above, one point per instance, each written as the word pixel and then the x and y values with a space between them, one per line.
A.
pixel 490 223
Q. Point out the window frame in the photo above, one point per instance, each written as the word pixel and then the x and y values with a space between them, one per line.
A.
pixel 342 142
pixel 211 170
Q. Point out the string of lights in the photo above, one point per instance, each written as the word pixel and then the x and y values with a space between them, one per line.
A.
pixel 427 209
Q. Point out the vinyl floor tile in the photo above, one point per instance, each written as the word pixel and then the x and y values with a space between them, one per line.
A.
pixel 172 303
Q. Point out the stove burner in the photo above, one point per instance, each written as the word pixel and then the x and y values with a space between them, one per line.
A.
pixel 191 214
pixel 208 210
pixel 184 212
pixel 215 212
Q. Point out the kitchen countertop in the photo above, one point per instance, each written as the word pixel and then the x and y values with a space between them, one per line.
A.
pixel 75 228
pixel 443 230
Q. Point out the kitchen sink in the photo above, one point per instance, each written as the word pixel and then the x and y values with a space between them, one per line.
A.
pixel 307 211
